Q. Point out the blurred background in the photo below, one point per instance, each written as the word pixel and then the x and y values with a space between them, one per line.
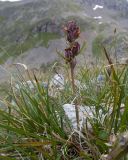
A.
pixel 32 30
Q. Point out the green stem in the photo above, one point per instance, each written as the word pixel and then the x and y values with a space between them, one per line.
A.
pixel 73 89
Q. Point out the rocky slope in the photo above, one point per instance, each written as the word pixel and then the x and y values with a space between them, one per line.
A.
pixel 31 30
pixel 119 5
pixel 28 24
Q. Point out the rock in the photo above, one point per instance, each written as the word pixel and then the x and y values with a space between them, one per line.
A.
pixel 123 61
pixel 57 81
pixel 47 26
pixel 80 85
pixel 84 112
pixel 30 84
pixel 88 112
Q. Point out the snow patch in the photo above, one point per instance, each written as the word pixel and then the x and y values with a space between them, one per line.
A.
pixel 97 7
pixel 98 17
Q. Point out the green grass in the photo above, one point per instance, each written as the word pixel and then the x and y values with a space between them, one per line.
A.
pixel 37 125
pixel 97 46
pixel 103 27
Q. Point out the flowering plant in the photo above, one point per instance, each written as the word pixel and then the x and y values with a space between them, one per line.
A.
pixel 72 33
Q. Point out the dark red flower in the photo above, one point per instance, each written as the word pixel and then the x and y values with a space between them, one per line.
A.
pixel 71 52
pixel 72 31
pixel 75 48
pixel 68 54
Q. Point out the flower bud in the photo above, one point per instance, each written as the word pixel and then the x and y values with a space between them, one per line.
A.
pixel 68 54
pixel 75 49
pixel 72 31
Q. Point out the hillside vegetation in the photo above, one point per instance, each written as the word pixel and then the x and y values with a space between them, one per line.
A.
pixel 70 112
pixel 34 26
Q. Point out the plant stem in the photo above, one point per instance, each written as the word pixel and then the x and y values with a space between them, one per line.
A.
pixel 73 89
pixel 72 78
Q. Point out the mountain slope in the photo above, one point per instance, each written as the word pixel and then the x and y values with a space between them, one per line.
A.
pixel 31 30
pixel 29 24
